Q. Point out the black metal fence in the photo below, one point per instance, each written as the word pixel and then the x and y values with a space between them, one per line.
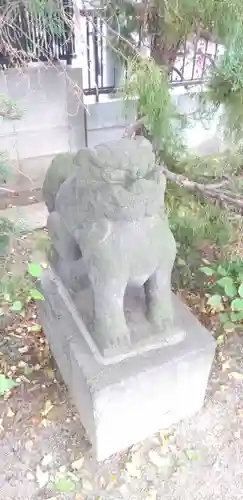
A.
pixel 27 36
pixel 31 37
pixel 103 72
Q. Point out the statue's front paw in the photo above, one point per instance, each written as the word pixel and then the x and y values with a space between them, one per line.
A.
pixel 119 339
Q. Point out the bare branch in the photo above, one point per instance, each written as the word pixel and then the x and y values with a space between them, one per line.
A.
pixel 132 130
pixel 209 190
pixel 8 191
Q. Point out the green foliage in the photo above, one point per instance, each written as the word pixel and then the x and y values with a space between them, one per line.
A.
pixel 7 230
pixel 197 224
pixel 163 122
pixel 9 109
pixel 17 291
pixel 224 283
pixel 226 86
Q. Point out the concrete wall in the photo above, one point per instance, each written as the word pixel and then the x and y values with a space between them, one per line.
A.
pixel 107 120
pixel 52 119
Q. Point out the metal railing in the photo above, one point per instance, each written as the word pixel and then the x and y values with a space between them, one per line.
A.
pixel 103 71
pixel 30 37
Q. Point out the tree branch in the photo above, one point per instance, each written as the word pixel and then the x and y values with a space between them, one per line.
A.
pixel 214 190
pixel 8 191
pixel 132 130
pixel 209 190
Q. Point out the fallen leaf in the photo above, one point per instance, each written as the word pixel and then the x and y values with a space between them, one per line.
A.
pixel 62 469
pixel 102 482
pixel 223 387
pixel 47 459
pixel 76 479
pixel 158 460
pixel 86 485
pixel 10 413
pixel 30 476
pixel 132 470
pixel 29 445
pixel 35 420
pixel 47 408
pixel 225 365
pixel 22 364
pixel 45 422
pixel 28 370
pixel 42 477
pixel 220 339
pixel 236 375
pixel 35 328
pixel 50 373
pixel 24 349
pixel 77 464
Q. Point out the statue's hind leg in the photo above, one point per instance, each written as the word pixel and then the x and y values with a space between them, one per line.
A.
pixel 158 287
pixel 158 295
pixel 62 240
pixel 65 256
pixel 159 299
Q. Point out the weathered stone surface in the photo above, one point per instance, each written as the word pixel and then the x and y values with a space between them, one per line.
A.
pixel 108 221
pixel 125 399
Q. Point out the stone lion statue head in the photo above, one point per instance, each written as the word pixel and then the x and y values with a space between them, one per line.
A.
pixel 123 161
pixel 115 180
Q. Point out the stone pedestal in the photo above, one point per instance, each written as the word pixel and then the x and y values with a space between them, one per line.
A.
pixel 123 400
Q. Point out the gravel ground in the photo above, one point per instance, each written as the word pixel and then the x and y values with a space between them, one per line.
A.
pixel 44 448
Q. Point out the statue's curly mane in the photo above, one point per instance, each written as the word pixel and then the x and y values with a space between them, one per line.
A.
pixel 116 181
pixel 120 161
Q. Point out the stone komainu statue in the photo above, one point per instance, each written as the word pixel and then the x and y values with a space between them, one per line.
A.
pixel 106 215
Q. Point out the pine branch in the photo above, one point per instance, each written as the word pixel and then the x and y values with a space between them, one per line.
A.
pixel 216 191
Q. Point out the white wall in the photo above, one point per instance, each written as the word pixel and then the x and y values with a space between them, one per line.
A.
pixel 52 119
pixel 107 121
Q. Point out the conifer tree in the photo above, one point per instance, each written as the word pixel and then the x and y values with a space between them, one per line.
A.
pixel 204 195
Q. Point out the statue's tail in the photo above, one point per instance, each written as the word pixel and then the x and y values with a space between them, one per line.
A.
pixel 61 168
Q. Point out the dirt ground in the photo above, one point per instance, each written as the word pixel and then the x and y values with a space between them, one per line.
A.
pixel 46 455
pixel 23 197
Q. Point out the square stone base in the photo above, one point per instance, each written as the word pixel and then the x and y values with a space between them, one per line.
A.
pixel 126 401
